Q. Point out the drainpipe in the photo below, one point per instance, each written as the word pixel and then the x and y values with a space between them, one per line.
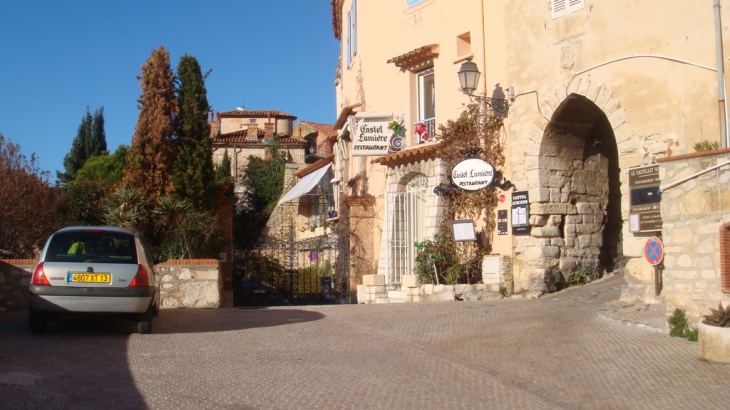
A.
pixel 720 75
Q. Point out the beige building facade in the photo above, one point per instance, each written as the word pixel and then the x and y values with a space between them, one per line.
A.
pixel 595 89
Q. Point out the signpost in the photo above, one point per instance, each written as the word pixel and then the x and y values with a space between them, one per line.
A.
pixel 654 254
pixel 463 231
pixel 645 198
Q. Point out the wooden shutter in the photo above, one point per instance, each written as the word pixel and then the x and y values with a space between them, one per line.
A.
pixel 558 8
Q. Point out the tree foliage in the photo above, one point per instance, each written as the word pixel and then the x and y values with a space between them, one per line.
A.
pixel 87 193
pixel 153 150
pixel 193 175
pixel 90 141
pixel 264 180
pixel 29 205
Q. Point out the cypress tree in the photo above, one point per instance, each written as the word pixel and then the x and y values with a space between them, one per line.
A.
pixel 152 152
pixel 80 150
pixel 98 135
pixel 193 175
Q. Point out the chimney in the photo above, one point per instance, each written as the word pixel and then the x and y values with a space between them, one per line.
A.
pixel 269 130
pixel 252 132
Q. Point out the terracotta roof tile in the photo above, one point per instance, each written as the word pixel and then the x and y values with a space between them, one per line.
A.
pixel 415 57
pixel 256 114
pixel 407 156
pixel 346 112
pixel 239 137
pixel 337 17
pixel 302 172
pixel 327 130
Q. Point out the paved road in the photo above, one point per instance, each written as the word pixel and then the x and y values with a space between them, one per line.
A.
pixel 551 353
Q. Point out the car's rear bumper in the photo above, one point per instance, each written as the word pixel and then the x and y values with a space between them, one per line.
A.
pixel 80 299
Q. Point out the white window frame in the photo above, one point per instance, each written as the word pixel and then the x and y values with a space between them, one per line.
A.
pixel 561 8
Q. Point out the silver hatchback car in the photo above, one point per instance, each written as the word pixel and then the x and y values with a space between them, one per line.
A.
pixel 94 269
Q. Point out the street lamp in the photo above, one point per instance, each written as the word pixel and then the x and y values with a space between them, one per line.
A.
pixel 469 79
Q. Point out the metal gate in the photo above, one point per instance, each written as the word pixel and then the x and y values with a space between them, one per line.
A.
pixel 290 272
pixel 404 225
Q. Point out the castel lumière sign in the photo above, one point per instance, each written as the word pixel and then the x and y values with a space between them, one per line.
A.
pixel 371 134
pixel 473 174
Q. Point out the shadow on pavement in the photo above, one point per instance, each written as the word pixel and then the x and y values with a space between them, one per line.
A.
pixel 77 364
pixel 221 320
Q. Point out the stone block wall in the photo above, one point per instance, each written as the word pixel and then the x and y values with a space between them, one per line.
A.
pixel 184 283
pixel 692 213
pixel 14 280
pixel 190 283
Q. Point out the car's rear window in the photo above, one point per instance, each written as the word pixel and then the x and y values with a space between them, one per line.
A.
pixel 92 246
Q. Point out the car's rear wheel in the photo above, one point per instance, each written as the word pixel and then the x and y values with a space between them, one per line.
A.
pixel 144 321
pixel 38 321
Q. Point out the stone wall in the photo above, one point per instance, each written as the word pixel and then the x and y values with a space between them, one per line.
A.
pixel 14 280
pixel 185 283
pixel 374 290
pixel 190 283
pixel 692 213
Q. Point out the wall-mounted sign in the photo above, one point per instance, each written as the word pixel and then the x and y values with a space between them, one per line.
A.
pixel 520 213
pixel 463 231
pixel 473 174
pixel 645 199
pixel 371 135
pixel 502 222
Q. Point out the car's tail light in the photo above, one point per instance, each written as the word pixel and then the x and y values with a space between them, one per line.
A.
pixel 273 291
pixel 142 278
pixel 39 277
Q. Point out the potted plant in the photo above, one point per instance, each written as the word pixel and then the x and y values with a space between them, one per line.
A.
pixel 714 335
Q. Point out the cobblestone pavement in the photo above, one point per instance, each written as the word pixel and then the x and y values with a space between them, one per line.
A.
pixel 554 352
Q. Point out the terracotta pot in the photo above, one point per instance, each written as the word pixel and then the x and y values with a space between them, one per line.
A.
pixel 714 343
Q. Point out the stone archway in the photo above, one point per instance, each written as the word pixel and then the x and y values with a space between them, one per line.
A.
pixel 577 222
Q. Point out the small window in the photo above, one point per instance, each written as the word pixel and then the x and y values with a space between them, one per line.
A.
pixel 564 7
pixel 412 3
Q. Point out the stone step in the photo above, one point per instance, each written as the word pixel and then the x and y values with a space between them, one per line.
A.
pixel 397 294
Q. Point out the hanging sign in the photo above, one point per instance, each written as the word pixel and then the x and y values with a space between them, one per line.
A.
pixel 371 134
pixel 472 174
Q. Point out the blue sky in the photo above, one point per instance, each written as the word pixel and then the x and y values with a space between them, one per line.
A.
pixel 58 57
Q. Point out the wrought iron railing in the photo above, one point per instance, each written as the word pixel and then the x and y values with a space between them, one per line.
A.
pixel 425 130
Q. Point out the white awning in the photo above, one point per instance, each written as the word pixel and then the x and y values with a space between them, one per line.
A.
pixel 304 185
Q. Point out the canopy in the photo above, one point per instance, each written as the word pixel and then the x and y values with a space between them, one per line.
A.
pixel 304 185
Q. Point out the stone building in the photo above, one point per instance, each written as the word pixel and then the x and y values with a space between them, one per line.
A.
pixel 594 89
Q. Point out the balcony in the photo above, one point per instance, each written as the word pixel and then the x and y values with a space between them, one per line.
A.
pixel 425 130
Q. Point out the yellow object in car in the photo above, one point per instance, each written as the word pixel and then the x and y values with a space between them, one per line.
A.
pixel 77 248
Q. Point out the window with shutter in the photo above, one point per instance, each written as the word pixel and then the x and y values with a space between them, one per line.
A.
pixel 561 8
pixel 412 3
pixel 353 35
pixel 349 43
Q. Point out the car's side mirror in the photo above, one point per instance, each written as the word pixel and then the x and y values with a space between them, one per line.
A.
pixel 161 259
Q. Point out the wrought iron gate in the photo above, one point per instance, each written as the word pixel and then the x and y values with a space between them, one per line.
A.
pixel 404 226
pixel 304 271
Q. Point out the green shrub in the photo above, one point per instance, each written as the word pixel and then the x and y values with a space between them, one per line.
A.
pixel 706 146
pixel 679 326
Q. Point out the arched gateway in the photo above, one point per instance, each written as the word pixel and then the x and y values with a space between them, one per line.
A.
pixel 576 224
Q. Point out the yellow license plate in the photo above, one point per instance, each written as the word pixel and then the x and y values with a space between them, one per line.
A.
pixel 90 277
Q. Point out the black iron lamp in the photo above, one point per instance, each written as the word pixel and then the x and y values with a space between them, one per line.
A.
pixel 469 76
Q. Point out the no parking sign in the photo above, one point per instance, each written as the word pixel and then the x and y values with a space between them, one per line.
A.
pixel 654 250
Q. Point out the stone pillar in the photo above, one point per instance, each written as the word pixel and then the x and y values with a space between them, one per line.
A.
pixel 362 219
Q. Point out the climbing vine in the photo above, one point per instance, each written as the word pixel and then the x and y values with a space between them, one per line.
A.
pixel 459 139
